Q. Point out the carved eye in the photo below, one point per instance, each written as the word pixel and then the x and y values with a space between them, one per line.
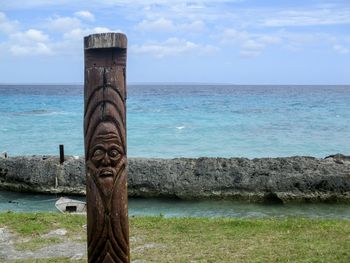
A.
pixel 113 153
pixel 98 153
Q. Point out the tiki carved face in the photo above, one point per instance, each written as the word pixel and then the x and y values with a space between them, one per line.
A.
pixel 106 156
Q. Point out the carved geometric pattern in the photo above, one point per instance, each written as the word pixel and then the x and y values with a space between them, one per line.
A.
pixel 105 153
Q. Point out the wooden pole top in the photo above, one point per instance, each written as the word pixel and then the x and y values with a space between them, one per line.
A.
pixel 105 40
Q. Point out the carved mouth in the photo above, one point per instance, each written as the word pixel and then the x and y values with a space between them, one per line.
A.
pixel 106 173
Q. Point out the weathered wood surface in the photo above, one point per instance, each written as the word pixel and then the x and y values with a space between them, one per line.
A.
pixel 105 148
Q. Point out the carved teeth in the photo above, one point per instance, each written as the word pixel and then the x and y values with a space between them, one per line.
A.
pixel 106 174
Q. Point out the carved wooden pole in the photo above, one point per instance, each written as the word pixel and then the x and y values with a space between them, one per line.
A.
pixel 105 148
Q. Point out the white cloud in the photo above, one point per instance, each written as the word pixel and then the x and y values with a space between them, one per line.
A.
pixel 194 26
pixel 172 47
pixel 251 45
pixel 97 30
pixel 20 4
pixel 77 34
pixel 107 3
pixel 31 42
pixel 29 36
pixel 73 29
pixel 161 24
pixel 249 53
pixel 31 50
pixel 341 49
pixel 231 35
pixel 85 15
pixel 166 25
pixel 64 36
pixel 23 43
pixel 7 26
pixel 269 39
pixel 295 41
pixel 246 26
pixel 64 24
pixel 309 17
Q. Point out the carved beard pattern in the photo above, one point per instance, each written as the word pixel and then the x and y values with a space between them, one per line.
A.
pixel 107 238
pixel 106 178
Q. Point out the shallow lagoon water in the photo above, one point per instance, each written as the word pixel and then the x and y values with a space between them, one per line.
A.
pixel 21 202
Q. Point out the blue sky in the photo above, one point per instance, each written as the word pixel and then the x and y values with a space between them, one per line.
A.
pixel 238 42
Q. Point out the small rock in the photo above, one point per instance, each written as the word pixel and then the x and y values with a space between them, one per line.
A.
pixel 147 246
pixel 2 234
pixel 134 239
pixel 57 232
pixel 77 257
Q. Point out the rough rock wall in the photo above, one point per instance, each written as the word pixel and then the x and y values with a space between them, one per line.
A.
pixel 258 180
pixel 43 174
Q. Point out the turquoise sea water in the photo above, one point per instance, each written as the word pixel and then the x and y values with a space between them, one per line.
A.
pixel 185 120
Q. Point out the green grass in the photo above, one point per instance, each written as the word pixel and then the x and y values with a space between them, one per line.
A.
pixel 158 239
pixel 243 240
pixel 51 260
pixel 33 224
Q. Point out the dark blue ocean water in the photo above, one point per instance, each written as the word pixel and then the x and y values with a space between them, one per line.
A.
pixel 185 120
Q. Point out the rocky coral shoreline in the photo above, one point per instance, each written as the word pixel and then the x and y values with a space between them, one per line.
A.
pixel 280 180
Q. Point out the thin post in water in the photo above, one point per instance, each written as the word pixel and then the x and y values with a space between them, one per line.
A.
pixel 105 147
pixel 61 153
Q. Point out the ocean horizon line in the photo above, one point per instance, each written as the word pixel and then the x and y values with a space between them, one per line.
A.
pixel 169 84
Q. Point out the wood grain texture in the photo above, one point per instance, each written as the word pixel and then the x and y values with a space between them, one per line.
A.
pixel 105 149
pixel 105 40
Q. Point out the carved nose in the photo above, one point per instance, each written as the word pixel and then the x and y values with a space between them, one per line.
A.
pixel 106 161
